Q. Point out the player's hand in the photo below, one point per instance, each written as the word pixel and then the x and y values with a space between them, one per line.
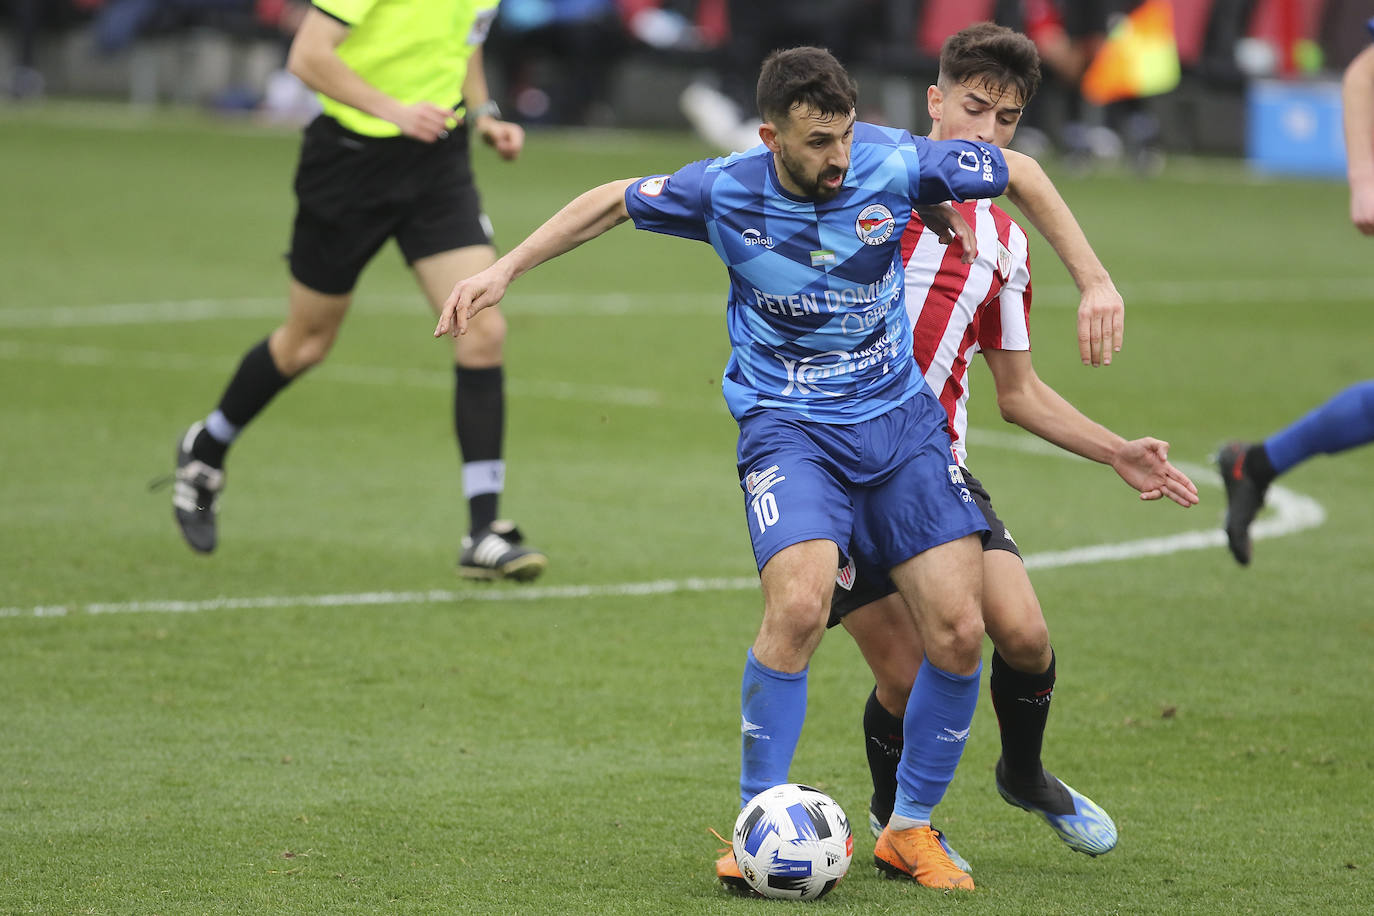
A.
pixel 1101 324
pixel 1362 207
pixel 424 121
pixel 950 227
pixel 506 138
pixel 470 296
pixel 1144 464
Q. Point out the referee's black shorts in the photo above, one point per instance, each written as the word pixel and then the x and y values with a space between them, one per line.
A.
pixel 866 591
pixel 353 192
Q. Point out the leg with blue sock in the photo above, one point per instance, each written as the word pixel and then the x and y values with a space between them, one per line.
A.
pixel 935 729
pixel 772 710
pixel 1344 422
pixel 938 719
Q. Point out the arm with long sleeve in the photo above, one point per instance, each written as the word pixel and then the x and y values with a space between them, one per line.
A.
pixel 1101 312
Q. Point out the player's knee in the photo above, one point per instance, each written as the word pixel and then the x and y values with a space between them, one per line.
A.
pixel 484 343
pixel 1026 647
pixel 956 642
pixel 306 352
pixel 798 618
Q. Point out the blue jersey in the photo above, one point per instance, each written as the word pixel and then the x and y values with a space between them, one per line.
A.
pixel 816 310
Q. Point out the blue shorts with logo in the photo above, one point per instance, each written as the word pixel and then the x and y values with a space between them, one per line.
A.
pixel 884 489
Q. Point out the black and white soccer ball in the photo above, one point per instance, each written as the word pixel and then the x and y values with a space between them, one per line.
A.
pixel 792 842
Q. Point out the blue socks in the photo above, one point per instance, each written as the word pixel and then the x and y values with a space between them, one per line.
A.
pixel 772 707
pixel 1345 421
pixel 938 717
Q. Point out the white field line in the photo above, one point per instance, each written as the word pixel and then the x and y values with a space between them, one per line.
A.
pixel 193 310
pixel 1291 512
pixel 1229 291
pixel 440 377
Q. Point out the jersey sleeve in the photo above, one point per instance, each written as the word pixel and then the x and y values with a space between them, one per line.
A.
pixel 349 12
pixel 671 204
pixel 958 170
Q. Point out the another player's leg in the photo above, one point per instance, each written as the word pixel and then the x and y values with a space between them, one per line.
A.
pixel 492 548
pixel 312 323
pixel 1022 686
pixel 882 628
pixel 942 585
pixel 1247 469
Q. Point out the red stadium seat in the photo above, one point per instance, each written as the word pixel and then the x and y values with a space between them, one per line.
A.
pixel 942 18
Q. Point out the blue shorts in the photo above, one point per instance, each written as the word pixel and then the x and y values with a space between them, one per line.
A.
pixel 884 489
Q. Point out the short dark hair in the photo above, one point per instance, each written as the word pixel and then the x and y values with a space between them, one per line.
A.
pixel 804 76
pixel 990 53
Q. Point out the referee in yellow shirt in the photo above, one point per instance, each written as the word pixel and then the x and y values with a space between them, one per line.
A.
pixel 401 84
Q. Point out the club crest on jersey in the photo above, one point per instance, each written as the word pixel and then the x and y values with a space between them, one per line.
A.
pixel 1003 262
pixel 653 187
pixel 875 224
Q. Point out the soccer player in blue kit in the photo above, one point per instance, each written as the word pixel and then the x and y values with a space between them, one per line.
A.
pixel 841 442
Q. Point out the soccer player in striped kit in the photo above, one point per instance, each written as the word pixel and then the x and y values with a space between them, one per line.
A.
pixel 1347 419
pixel 988 74
pixel 842 445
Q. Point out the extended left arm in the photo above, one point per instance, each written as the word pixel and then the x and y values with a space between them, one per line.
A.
pixel 1037 408
pixel 1101 313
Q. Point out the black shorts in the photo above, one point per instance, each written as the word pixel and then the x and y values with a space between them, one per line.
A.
pixel 866 591
pixel 354 192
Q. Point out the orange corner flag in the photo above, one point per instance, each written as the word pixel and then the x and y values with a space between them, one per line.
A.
pixel 1138 58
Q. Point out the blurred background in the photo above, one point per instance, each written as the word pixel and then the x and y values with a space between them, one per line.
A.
pixel 1126 80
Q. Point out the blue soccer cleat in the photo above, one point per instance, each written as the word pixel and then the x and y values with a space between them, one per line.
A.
pixel 1080 822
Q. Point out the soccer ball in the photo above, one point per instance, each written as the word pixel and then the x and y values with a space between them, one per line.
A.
pixel 793 842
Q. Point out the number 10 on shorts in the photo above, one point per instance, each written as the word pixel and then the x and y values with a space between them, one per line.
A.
pixel 765 504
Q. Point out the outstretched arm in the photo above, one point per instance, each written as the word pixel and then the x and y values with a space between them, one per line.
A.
pixel 1357 99
pixel 1101 313
pixel 1037 408
pixel 584 219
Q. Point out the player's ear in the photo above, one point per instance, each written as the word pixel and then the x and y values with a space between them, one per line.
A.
pixel 769 135
pixel 934 99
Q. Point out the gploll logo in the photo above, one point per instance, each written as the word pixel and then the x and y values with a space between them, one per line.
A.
pixel 755 237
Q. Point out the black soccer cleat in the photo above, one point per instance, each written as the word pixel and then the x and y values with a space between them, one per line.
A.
pixel 499 552
pixel 195 494
pixel 1244 499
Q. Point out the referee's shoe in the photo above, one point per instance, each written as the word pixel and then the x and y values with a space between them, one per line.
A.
pixel 498 551
pixel 195 494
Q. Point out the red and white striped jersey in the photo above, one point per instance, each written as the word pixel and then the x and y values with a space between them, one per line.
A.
pixel 958 309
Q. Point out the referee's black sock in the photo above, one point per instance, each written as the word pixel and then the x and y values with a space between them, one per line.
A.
pixel 479 420
pixel 256 381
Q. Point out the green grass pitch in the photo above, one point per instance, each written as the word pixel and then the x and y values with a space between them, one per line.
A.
pixel 321 718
